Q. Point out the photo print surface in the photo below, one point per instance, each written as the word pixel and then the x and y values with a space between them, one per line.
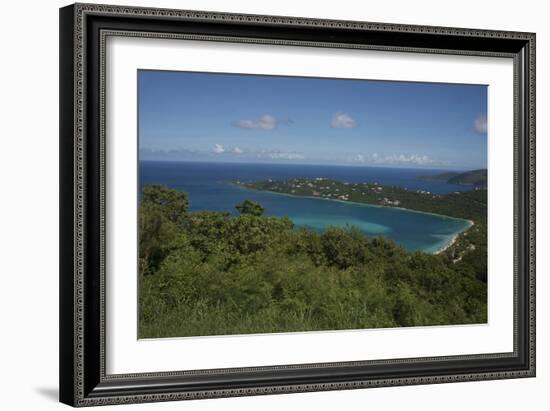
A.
pixel 276 204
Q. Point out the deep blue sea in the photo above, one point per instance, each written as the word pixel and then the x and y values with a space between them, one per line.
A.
pixel 208 186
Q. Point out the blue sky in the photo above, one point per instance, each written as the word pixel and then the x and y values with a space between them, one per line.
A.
pixel 247 118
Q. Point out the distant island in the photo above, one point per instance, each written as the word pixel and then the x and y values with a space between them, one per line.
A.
pixel 476 178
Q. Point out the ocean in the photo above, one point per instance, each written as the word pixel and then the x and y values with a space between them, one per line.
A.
pixel 209 188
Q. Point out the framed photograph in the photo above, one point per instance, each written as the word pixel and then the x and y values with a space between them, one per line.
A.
pixel 261 204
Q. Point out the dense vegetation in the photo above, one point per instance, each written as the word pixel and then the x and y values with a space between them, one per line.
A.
pixel 208 273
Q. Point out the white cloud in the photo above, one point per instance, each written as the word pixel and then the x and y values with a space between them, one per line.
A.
pixel 396 159
pixel 264 122
pixel 280 155
pixel 218 149
pixel 410 159
pixel 342 120
pixel 480 124
pixel 286 156
pixel 170 154
pixel 229 152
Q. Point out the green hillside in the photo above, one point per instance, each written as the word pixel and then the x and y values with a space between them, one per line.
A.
pixel 476 178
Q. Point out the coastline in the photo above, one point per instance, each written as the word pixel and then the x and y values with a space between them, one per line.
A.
pixel 453 239
pixel 355 203
pixel 436 252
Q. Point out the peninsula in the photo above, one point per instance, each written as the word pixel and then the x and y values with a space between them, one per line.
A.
pixel 469 205
pixel 476 178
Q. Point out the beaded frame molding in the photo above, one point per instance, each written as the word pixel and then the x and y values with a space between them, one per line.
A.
pixel 83 32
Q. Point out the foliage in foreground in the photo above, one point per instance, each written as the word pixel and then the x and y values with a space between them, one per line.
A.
pixel 209 273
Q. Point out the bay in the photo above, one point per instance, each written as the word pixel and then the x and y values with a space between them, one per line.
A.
pixel 209 186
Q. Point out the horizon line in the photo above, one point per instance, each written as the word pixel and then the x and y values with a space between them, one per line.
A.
pixel 456 168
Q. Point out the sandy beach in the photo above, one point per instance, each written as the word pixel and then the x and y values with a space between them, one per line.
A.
pixel 455 237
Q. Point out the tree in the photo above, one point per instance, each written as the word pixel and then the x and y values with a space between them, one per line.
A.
pixel 250 208
pixel 157 235
pixel 172 203
pixel 344 247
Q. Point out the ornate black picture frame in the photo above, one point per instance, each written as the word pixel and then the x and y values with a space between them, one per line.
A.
pixel 83 30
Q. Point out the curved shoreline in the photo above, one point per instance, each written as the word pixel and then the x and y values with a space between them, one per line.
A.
pixel 453 239
pixel 354 203
pixel 436 252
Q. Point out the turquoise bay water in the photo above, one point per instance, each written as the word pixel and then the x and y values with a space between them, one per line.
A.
pixel 209 188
